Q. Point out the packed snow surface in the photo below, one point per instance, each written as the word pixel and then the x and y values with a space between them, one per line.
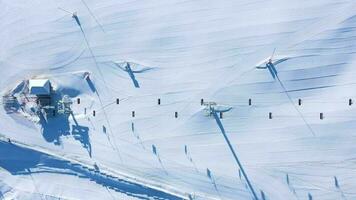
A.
pixel 143 67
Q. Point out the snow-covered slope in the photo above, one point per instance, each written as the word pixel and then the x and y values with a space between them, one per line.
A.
pixel 181 52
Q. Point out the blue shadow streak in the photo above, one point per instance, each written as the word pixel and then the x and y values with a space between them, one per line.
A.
pixel 271 70
pixel 234 154
pixel 132 76
pixel 274 69
pixel 23 161
pixel 91 85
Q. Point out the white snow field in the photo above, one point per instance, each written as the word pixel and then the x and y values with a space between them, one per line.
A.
pixel 180 52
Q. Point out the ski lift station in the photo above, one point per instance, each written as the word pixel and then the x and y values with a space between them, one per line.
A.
pixel 41 88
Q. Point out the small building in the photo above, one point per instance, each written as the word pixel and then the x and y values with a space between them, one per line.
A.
pixel 41 88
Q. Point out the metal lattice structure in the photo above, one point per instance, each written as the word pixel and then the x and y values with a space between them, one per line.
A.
pixel 64 105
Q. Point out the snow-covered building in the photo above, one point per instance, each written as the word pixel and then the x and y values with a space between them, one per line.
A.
pixel 40 87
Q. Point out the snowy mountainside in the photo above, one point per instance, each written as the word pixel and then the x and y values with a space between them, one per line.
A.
pixel 121 57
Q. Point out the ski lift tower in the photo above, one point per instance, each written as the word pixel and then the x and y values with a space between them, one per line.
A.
pixel 213 107
pixel 64 105
pixel 209 108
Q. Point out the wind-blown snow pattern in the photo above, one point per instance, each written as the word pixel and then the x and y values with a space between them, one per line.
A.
pixel 120 57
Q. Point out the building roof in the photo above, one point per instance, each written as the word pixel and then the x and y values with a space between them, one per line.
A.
pixel 40 86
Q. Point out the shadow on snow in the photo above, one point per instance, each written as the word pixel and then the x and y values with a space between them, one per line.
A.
pixel 54 127
pixel 24 161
